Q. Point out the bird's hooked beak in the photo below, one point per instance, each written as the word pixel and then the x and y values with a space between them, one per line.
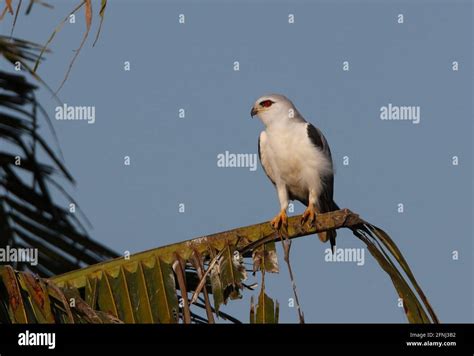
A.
pixel 253 112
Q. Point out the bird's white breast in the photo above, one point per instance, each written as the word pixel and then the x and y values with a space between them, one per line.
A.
pixel 295 161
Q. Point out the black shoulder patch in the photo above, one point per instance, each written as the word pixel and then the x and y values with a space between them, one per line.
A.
pixel 316 137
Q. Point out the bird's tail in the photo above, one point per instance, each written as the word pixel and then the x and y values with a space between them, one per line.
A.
pixel 331 234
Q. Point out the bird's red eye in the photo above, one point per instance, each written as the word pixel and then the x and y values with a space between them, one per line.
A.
pixel 266 103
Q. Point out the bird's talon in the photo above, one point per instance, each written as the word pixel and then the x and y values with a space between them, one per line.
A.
pixel 309 216
pixel 280 221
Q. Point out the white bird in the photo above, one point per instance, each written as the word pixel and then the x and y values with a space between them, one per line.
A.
pixel 296 157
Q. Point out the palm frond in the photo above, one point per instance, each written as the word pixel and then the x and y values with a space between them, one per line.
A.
pixel 29 215
pixel 160 285
pixel 131 281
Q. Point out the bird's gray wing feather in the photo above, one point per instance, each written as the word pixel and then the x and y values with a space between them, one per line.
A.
pixel 326 201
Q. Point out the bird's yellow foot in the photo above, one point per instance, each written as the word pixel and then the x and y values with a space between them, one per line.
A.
pixel 280 221
pixel 309 215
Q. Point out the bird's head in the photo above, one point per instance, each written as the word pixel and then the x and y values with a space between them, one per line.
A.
pixel 273 108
